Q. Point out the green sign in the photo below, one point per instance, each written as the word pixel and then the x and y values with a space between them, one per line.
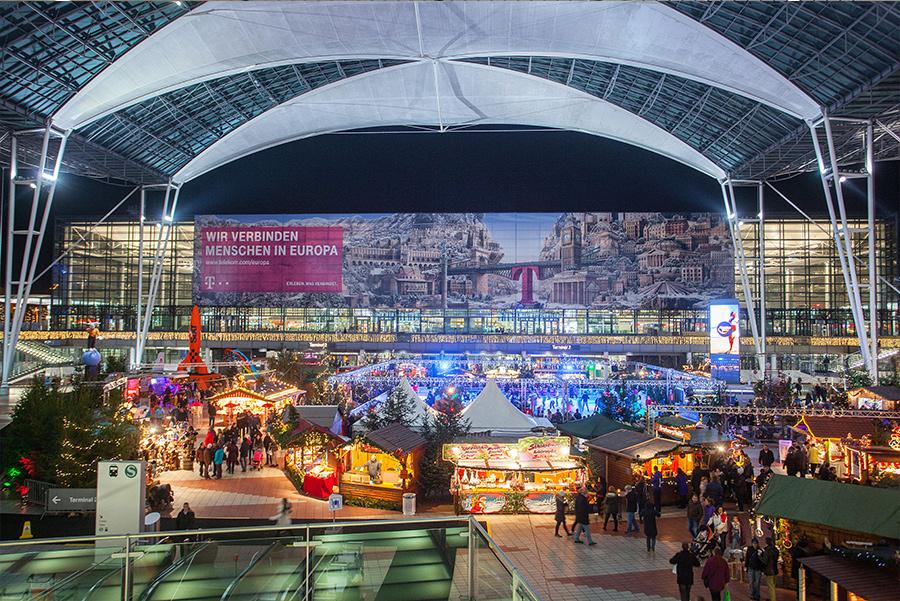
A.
pixel 131 471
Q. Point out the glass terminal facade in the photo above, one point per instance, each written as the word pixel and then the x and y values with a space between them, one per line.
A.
pixel 98 281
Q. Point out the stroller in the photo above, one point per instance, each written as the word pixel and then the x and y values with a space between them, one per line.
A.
pixel 257 458
pixel 704 543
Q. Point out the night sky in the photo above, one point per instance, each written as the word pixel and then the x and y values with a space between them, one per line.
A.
pixel 459 172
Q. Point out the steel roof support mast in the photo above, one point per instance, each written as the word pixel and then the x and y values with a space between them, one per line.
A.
pixel 740 255
pixel 830 174
pixel 164 234
pixel 42 187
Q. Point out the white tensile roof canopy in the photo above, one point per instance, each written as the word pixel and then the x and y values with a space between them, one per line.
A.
pixel 166 91
pixel 492 411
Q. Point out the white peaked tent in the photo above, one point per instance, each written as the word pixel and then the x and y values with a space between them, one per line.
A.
pixel 421 410
pixel 491 410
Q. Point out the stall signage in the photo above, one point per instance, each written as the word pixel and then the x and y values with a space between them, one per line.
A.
pixel 673 432
pixel 531 448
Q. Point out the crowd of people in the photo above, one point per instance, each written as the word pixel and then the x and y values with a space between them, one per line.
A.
pixel 247 446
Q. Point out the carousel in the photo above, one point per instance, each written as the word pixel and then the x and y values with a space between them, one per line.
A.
pixel 257 396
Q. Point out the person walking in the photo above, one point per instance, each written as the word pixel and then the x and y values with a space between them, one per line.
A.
pixel 755 567
pixel 656 485
pixel 631 508
pixel 231 455
pixel 716 575
pixel 218 460
pixel 283 517
pixel 640 488
pixel 268 445
pixel 719 523
pixel 681 487
pixel 582 517
pixel 611 508
pixel 244 453
pixel 207 458
pixel 694 515
pixel 769 558
pixel 211 409
pixel 650 531
pixel 685 562
pixel 561 514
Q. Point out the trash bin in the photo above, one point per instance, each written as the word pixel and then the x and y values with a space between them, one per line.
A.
pixel 409 503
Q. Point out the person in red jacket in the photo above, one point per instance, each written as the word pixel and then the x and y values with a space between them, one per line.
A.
pixel 716 575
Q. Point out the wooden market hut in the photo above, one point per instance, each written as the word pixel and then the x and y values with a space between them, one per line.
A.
pixel 834 433
pixel 397 450
pixel 618 454
pixel 855 520
pixel 315 449
pixel 875 397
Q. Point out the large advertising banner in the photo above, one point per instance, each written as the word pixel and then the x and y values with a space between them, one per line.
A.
pixel 251 259
pixel 463 260
pixel 725 340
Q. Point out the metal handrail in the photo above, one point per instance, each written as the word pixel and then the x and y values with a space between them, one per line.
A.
pixel 245 530
pixel 505 561
pixel 257 557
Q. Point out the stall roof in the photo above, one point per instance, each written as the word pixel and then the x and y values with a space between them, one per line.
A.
pixel 591 427
pixel 618 440
pixel 850 506
pixel 320 415
pixel 888 393
pixel 395 436
pixel 528 466
pixel 865 581
pixel 238 392
pixel 836 427
pixel 675 421
pixel 492 411
pixel 632 444
pixel 707 436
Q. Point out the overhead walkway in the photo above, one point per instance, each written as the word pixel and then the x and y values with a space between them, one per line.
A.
pixel 408 560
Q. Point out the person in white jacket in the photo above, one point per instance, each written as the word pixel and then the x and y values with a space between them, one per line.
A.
pixel 719 523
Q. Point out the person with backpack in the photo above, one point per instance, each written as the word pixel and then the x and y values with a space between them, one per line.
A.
pixel 631 508
pixel 561 514
pixel 611 508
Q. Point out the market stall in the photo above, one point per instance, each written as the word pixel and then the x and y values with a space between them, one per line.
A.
pixel 510 475
pixel 858 524
pixel 864 462
pixel 834 435
pixel 313 455
pixel 622 456
pixel 382 465
pixel 253 396
pixel 885 398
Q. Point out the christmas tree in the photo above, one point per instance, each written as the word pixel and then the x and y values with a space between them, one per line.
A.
pixel 397 408
pixel 448 424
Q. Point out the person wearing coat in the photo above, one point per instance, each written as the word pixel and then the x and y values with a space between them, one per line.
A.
pixel 218 460
pixel 685 562
pixel 611 509
pixel 716 575
pixel 694 515
pixel 244 452
pixel 582 516
pixel 681 485
pixel 650 514
pixel 231 456
pixel 631 508
pixel 561 514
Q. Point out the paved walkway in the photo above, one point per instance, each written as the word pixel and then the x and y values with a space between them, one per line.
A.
pixel 617 568
pixel 253 494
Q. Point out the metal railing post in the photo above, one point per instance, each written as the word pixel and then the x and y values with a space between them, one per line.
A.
pixel 471 562
pixel 126 582
pixel 306 591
